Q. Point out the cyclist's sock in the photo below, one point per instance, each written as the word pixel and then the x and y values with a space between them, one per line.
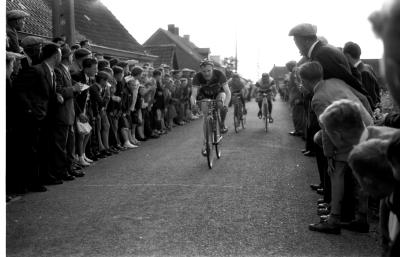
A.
pixel 223 116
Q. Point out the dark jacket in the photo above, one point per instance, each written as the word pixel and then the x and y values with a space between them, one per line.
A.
pixel 370 82
pixel 81 99
pixel 35 91
pixel 335 65
pixel 65 112
pixel 97 101
pixel 12 35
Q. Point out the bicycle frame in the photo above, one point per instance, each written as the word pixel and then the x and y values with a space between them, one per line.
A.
pixel 238 111
pixel 211 128
pixel 265 109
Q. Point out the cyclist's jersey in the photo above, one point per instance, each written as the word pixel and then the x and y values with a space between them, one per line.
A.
pixel 209 89
pixel 268 86
pixel 236 86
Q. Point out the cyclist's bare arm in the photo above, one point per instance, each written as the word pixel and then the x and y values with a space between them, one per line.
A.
pixel 228 94
pixel 194 95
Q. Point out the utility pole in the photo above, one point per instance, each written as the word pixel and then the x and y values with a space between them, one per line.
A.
pixel 63 19
pixel 236 54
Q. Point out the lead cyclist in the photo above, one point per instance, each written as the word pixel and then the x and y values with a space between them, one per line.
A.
pixel 211 83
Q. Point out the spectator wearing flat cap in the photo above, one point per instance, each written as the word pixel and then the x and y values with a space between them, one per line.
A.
pixel 79 55
pixel 32 48
pixel 352 51
pixel 333 61
pixel 85 44
pixel 64 119
pixel 15 22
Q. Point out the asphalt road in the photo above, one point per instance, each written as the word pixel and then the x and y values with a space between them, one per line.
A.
pixel 162 200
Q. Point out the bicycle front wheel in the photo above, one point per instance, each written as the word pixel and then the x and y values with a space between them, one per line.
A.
pixel 209 143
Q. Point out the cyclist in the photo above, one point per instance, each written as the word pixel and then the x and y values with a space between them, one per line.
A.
pixel 266 85
pixel 237 86
pixel 210 83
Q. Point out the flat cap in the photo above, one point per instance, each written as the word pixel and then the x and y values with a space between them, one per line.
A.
pixel 303 30
pixel 31 41
pixel 16 14
pixel 81 52
pixel 66 51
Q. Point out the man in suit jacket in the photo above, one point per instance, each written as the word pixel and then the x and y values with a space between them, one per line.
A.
pixel 352 52
pixel 331 58
pixel 335 148
pixel 64 119
pixel 36 93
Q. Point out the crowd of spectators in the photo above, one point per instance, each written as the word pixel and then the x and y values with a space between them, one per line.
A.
pixel 335 101
pixel 68 107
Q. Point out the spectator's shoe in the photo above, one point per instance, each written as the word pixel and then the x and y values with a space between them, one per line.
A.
pixel 87 159
pixel 323 211
pixel 324 205
pixel 91 157
pixel 52 181
pixel 271 120
pixel 77 174
pixel 356 226
pixel 304 150
pixel 325 227
pixel 128 145
pixel 101 155
pixel 259 114
pixel 320 200
pixel 106 153
pixel 142 139
pixel 224 130
pixel 119 147
pixel 83 162
pixel 309 154
pixel 320 191
pixel 154 135
pixel 323 218
pixel 67 177
pixel 294 133
pixel 315 187
pixel 204 151
pixel 37 188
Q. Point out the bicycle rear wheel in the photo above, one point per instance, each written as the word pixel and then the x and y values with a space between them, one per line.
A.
pixel 209 143
pixel 265 114
pixel 235 118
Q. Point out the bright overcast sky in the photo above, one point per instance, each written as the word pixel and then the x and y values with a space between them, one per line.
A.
pixel 262 26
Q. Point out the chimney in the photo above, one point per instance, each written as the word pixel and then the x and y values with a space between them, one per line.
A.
pixel 177 31
pixel 186 37
pixel 171 28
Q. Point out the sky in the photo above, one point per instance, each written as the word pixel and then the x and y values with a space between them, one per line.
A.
pixel 261 27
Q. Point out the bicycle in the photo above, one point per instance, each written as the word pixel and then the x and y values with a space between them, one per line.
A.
pixel 212 129
pixel 265 109
pixel 238 116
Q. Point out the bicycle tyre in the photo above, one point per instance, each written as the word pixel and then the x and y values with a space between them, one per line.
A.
pixel 235 118
pixel 266 118
pixel 217 140
pixel 209 143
